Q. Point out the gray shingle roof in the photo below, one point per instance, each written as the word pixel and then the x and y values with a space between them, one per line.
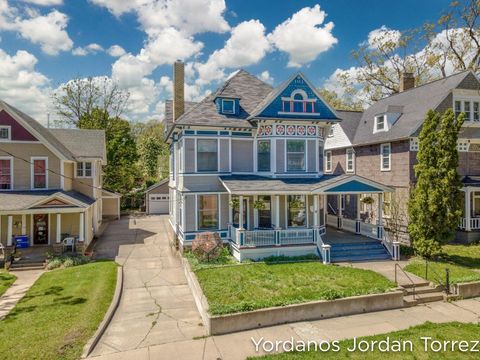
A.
pixel 415 104
pixel 168 118
pixel 82 143
pixel 21 200
pixel 350 122
pixel 248 87
pixel 40 129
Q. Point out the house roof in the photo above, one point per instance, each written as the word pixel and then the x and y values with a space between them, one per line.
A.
pixel 37 128
pixel 412 104
pixel 82 143
pixel 246 86
pixel 471 180
pixel 350 122
pixel 154 186
pixel 168 119
pixel 22 200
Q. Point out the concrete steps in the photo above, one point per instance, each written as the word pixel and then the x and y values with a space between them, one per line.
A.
pixel 27 264
pixel 422 294
pixel 358 251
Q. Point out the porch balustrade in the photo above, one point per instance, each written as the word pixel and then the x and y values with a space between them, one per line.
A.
pixel 295 237
pixel 259 238
pixel 474 223
pixel 349 225
pixel 253 238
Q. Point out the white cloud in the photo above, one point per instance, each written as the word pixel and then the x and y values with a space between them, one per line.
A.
pixel 383 36
pixel 116 51
pixel 266 77
pixel 119 7
pixel 303 37
pixel 22 86
pixel 48 31
pixel 44 2
pixel 247 45
pixel 92 48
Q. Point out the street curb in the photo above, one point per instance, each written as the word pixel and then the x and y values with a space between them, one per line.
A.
pixel 90 345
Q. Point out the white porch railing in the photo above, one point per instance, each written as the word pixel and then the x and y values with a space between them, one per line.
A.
pixel 259 238
pixel 474 223
pixel 349 225
pixel 332 220
pixel 393 247
pixel 369 230
pixel 296 237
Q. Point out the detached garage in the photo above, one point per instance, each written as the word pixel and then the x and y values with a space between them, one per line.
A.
pixel 157 198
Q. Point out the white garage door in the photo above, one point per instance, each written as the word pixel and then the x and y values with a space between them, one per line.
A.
pixel 158 204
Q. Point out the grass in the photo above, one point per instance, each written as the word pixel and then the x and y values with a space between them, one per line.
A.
pixel 6 280
pixel 231 289
pixel 59 313
pixel 462 260
pixel 447 331
pixel 224 259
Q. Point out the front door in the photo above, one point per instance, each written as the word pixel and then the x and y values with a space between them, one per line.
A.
pixel 40 229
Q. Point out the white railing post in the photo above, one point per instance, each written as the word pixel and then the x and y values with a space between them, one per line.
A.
pixel 10 230
pixel 396 251
pixel 326 253
pixel 468 225
pixel 339 211
pixel 358 220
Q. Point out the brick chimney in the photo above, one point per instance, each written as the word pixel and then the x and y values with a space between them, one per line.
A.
pixel 178 89
pixel 407 81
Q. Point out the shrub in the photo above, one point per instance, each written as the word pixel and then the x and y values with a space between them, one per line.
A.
pixel 66 261
pixel 54 263
pixel 207 246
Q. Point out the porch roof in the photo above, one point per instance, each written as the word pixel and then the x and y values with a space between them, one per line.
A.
pixel 471 180
pixel 23 200
pixel 260 185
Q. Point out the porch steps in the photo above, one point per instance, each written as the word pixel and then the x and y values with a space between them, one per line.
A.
pixel 27 264
pixel 358 251
pixel 423 294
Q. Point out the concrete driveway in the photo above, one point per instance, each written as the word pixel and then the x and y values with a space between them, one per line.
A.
pixel 157 306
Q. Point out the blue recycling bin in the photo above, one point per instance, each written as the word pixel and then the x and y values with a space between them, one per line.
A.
pixel 22 242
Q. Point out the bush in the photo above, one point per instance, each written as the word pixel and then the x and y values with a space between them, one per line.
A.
pixel 66 261
pixel 284 258
pixel 225 258
pixel 207 246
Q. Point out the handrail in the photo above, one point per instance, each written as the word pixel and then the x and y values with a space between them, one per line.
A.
pixel 408 277
pixel 332 209
pixel 436 277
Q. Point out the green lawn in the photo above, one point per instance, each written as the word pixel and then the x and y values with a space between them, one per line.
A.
pixel 231 289
pixel 59 313
pixel 447 331
pixel 6 279
pixel 462 260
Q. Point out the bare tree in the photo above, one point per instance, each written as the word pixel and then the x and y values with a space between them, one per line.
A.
pixel 396 222
pixel 80 96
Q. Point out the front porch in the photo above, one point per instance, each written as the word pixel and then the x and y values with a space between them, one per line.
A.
pixel 469 223
pixel 315 222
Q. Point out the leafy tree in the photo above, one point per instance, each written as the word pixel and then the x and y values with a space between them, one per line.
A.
pixel 339 103
pixel 81 96
pixel 435 204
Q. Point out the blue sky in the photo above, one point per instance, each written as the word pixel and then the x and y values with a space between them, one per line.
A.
pixel 44 43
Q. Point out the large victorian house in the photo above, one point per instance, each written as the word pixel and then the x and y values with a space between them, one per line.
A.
pixel 247 162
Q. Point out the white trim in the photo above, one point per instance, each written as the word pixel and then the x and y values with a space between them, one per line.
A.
pixel 62 174
pixel 59 228
pixel 348 152
pixel 382 146
pixel 12 162
pixel 49 226
pixel 24 224
pixel 327 154
pixel 9 128
pixel 81 227
pixel 9 230
pixel 84 170
pixel 304 156
pixel 376 129
pixel 32 167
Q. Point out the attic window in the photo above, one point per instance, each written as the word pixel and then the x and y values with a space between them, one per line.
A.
pixel 4 133
pixel 380 123
pixel 228 106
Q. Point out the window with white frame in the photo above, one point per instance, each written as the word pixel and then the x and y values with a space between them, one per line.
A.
pixel 295 155
pixel 263 155
pixel 39 173
pixel 462 146
pixel 380 123
pixel 207 155
pixel 6 173
pixel 5 133
pixel 330 131
pixel 328 161
pixel 470 107
pixel 228 106
pixel 414 145
pixel 350 160
pixel 84 169
pixel 385 157
pixel 207 212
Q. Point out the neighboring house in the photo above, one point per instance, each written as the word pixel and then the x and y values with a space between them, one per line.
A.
pixel 247 162
pixel 157 198
pixel 50 182
pixel 381 144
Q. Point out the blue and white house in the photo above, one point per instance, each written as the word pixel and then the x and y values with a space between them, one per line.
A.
pixel 247 163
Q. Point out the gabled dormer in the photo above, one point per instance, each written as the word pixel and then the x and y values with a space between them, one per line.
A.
pixel 385 120
pixel 227 101
pixel 296 98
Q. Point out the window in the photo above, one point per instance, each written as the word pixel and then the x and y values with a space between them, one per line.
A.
pixel 295 155
pixel 265 214
pixel 263 155
pixel 84 169
pixel 380 123
pixel 476 111
pixel 6 172
pixel 462 146
pixel 350 160
pixel 207 156
pixel 328 161
pixel 228 106
pixel 207 212
pixel 297 211
pixel 385 157
pixel 466 110
pixel 471 109
pixel 4 133
pixel 39 173
pixel 330 131
pixel 414 146
pixel 458 108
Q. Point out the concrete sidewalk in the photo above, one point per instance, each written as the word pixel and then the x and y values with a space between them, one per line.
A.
pixel 238 346
pixel 19 288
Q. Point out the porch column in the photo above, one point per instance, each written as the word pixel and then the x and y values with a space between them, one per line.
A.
pixel 277 211
pixel 325 210
pixel 255 213
pixel 339 211
pixel 81 235
pixel 24 224
pixel 230 209
pixel 9 230
pixel 380 216
pixel 59 228
pixel 316 211
pixel 241 221
pixel 468 211
pixel 358 221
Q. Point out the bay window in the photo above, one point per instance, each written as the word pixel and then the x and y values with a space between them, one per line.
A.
pixel 207 212
pixel 297 211
pixel 207 155
pixel 263 155
pixel 295 155
pixel 6 172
